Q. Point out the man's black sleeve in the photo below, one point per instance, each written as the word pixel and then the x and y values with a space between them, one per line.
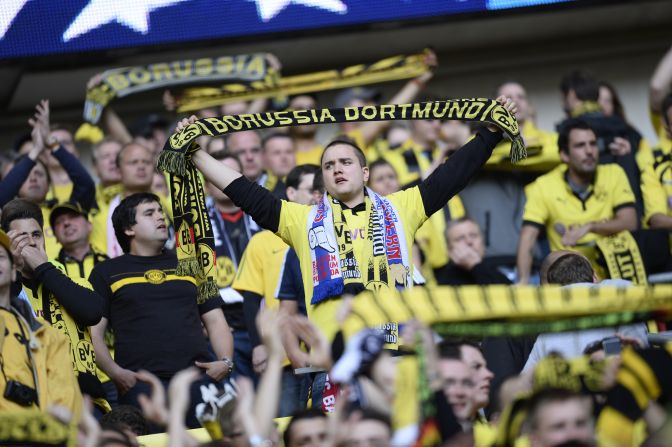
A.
pixel 83 186
pixel 84 305
pixel 102 288
pixel 251 304
pixel 454 174
pixel 11 184
pixel 256 201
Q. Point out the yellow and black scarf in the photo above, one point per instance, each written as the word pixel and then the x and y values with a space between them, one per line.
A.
pixel 195 247
pixel 385 70
pixel 247 70
pixel 498 310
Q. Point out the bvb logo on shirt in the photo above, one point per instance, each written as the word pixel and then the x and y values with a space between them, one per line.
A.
pixel 225 271
pixel 155 276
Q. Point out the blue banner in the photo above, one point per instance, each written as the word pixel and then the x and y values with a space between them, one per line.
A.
pixel 42 27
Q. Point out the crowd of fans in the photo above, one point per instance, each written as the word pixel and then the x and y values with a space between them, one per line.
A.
pixel 98 330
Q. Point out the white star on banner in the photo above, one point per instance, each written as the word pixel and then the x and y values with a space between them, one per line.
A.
pixel 10 9
pixel 270 8
pixel 131 13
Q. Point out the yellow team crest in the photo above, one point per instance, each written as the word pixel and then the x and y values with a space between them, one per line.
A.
pixel 155 276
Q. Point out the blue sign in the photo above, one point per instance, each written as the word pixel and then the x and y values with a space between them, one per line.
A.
pixel 41 27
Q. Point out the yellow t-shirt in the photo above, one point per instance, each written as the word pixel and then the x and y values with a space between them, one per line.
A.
pixel 293 229
pixel 260 269
pixel 542 151
pixel 663 140
pixel 551 204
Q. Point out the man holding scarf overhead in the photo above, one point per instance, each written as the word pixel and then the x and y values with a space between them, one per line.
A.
pixel 353 239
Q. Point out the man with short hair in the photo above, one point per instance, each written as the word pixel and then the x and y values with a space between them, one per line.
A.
pixel 560 417
pixel 168 306
pixel 247 146
pixel 467 251
pixel 306 428
pixel 617 142
pixel 343 244
pixel 65 303
pixel 279 154
pixel 576 203
pixel 458 387
pixel 104 156
pixel 367 428
pixel 470 353
pixel 72 230
pixel 572 269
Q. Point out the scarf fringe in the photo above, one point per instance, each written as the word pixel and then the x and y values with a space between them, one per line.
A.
pixel 518 150
pixel 207 290
pixel 188 267
pixel 172 162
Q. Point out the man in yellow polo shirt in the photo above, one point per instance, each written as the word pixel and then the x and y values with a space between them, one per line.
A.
pixel 353 239
pixel 577 202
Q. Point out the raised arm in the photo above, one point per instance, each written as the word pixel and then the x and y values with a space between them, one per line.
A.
pixel 11 183
pixel 371 129
pixel 661 81
pixel 84 188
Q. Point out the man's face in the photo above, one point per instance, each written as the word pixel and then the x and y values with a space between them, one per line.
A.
pixel 517 93
pixel 426 131
pixel 71 228
pixel 480 373
pixel 32 229
pixel 308 433
pixel 383 180
pixel 105 163
pixel 247 147
pixel 368 433
pixel 458 386
pixel 582 155
pixel 150 225
pixel 7 270
pixel 303 194
pixel 467 233
pixel 303 102
pixel 563 421
pixel 343 175
pixel 279 156
pixel 36 186
pixel 135 166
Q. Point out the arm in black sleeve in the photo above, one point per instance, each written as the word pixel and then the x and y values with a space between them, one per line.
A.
pixel 11 184
pixel 454 174
pixel 84 305
pixel 251 304
pixel 84 188
pixel 256 201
